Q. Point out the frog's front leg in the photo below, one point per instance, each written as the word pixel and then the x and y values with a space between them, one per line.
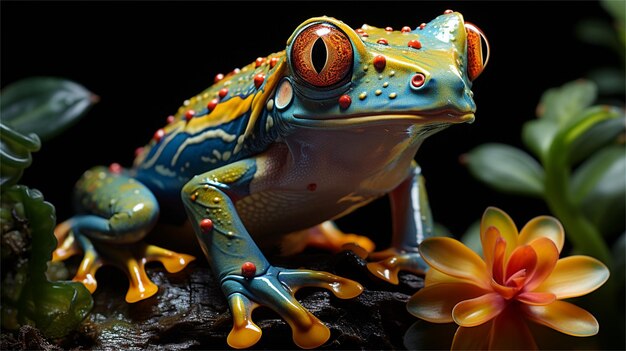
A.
pixel 117 212
pixel 247 278
pixel 412 223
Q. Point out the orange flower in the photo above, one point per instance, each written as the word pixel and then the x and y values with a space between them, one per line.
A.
pixel 520 275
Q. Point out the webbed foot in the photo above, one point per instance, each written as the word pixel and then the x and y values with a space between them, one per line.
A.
pixel 131 260
pixel 388 263
pixel 275 288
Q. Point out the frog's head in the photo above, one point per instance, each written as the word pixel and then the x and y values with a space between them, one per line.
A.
pixel 338 76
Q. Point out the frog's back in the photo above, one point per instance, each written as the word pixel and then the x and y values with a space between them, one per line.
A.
pixel 224 123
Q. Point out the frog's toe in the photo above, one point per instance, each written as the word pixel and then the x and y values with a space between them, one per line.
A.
pixel 67 245
pixel 342 288
pixel 86 272
pixel 326 236
pixel 391 261
pixel 173 262
pixel 245 332
pixel 133 261
pixel 275 289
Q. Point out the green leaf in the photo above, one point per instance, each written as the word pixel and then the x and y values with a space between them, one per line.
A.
pixel 506 169
pixel 599 188
pixel 610 80
pixel 563 103
pixel 15 150
pixel 44 105
pixel 599 135
pixel 537 135
pixel 619 261
pixel 598 32
pixel 579 135
pixel 55 308
pixel 616 8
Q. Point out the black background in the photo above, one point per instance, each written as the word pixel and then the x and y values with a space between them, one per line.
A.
pixel 144 58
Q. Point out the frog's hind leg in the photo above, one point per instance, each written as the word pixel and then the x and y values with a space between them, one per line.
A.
pixel 325 236
pixel 118 211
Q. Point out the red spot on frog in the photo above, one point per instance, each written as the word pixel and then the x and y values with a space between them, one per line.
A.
pixel 206 225
pixel 379 62
pixel 415 44
pixel 248 270
pixel 258 80
pixel 273 62
pixel 345 101
pixel 170 119
pixel 115 168
pixel 158 135
pixel 388 29
pixel 218 77
pixel 382 41
pixel 212 104
pixel 405 29
pixel 422 26
pixel 447 12
pixel 138 151
pixel 189 115
pixel 222 93
pixel 259 61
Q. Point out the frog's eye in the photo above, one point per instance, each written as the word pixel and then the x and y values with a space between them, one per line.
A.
pixel 322 55
pixel 476 62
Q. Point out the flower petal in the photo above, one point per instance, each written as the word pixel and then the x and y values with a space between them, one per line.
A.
pixel 547 257
pixel 474 338
pixel 470 313
pixel 435 303
pixel 498 260
pixel 543 227
pixel 434 276
pixel 453 258
pixel 495 217
pixel 489 238
pixel 575 276
pixel 564 317
pixel 536 298
pixel 524 259
pixel 510 332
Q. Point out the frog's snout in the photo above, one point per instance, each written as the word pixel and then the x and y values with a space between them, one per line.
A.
pixel 477 50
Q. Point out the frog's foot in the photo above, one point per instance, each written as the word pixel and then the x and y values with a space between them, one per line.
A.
pixel 324 236
pixel 131 260
pixel 275 289
pixel 388 263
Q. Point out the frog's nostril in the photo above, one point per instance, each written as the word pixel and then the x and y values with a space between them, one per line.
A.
pixel 417 81
pixel 476 59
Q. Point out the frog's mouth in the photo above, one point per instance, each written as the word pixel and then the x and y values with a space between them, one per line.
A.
pixel 418 118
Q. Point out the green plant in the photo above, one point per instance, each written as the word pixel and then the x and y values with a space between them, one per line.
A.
pixel 579 167
pixel 30 109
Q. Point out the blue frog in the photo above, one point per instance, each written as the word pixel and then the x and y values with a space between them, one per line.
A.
pixel 272 153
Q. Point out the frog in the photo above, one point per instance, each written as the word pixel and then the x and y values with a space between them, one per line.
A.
pixel 270 155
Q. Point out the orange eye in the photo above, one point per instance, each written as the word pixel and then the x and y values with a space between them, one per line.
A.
pixel 476 58
pixel 322 55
